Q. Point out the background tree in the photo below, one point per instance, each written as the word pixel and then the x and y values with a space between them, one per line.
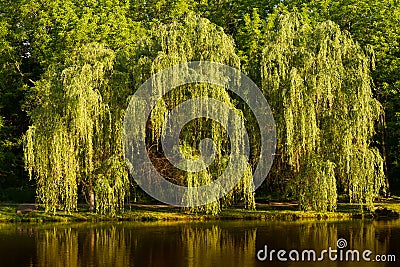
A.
pixel 54 28
pixel 250 42
pixel 15 75
pixel 154 11
pixel 318 83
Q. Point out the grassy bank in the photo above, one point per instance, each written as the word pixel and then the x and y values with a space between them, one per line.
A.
pixel 272 211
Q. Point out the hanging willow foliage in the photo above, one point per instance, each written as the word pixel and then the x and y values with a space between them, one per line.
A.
pixel 318 83
pixel 75 137
pixel 193 39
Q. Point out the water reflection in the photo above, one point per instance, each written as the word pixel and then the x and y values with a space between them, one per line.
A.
pixel 188 244
pixel 379 237
pixel 214 245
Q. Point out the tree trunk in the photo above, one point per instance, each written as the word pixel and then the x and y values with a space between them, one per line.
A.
pixel 90 201
pixel 383 137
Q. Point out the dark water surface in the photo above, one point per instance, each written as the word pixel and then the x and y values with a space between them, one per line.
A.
pixel 232 243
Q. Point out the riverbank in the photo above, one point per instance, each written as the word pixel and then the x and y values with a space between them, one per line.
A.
pixel 144 212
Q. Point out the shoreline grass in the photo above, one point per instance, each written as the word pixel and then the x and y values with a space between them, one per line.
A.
pixel 136 212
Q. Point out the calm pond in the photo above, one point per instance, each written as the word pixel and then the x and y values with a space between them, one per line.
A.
pixel 229 243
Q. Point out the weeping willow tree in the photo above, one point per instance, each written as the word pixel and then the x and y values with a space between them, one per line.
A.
pixel 318 83
pixel 75 137
pixel 192 39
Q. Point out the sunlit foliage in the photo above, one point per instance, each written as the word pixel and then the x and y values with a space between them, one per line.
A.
pixel 318 83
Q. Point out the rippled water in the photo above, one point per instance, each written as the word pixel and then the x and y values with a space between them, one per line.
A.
pixel 234 243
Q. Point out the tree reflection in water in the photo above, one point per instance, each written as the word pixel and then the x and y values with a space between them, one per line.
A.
pixel 188 244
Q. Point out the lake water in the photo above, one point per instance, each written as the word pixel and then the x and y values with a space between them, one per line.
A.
pixel 229 243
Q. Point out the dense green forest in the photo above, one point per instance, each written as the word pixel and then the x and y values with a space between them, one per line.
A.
pixel 330 71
